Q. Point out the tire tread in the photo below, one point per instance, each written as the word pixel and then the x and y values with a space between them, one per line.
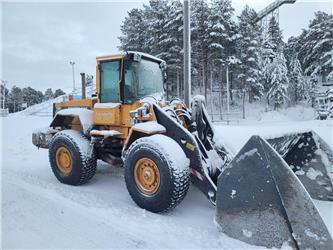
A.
pixel 181 177
pixel 88 159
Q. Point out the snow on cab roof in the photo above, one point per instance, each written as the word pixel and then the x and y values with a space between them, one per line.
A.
pixel 145 55
pixel 123 53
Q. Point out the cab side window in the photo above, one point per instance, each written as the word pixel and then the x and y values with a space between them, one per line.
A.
pixel 129 90
pixel 110 80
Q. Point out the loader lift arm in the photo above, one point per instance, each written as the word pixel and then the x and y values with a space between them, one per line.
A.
pixel 194 150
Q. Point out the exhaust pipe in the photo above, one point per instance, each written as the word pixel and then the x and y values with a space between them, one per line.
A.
pixel 83 83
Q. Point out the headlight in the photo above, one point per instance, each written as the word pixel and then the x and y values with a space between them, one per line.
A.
pixel 143 111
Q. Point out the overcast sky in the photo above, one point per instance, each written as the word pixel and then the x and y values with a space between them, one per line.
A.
pixel 40 38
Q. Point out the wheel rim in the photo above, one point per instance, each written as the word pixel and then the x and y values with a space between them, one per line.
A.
pixel 147 176
pixel 64 160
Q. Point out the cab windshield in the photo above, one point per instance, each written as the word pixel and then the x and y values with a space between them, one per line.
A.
pixel 142 78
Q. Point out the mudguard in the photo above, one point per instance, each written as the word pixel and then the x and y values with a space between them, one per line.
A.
pixel 64 118
pixel 261 201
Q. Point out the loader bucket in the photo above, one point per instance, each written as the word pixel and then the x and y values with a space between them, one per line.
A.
pixel 261 201
pixel 311 159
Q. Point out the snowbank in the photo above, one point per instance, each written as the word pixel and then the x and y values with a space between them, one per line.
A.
pixel 237 136
pixel 259 112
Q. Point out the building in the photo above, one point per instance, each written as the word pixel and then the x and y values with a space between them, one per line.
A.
pixel 324 100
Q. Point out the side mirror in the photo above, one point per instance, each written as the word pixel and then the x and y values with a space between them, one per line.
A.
pixel 163 65
pixel 165 78
pixel 165 87
pixel 136 57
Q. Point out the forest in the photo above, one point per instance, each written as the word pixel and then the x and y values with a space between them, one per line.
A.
pixel 259 62
pixel 17 99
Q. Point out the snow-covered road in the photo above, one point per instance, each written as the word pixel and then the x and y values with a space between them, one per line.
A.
pixel 40 212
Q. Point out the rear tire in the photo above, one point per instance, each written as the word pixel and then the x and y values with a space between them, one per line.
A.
pixel 173 172
pixel 80 157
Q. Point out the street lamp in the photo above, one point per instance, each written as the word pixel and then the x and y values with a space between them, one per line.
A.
pixel 231 60
pixel 227 64
pixel 187 52
pixel 73 63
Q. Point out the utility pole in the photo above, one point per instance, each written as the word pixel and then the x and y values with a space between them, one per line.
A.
pixel 73 63
pixel 187 53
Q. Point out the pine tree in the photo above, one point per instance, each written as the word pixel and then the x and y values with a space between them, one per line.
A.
pixel 4 93
pixel 221 31
pixel 272 44
pixel 222 35
pixel 275 34
pixel 313 88
pixel 289 50
pixel 278 91
pixel 134 31
pixel 318 45
pixel 200 15
pixel 40 96
pixel 15 99
pixel 48 94
pixel 31 96
pixel 248 54
pixel 58 92
pixel 157 30
pixel 156 14
pixel 174 57
pixel 297 80
pixel 274 66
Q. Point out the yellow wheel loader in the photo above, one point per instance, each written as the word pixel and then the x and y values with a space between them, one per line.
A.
pixel 164 145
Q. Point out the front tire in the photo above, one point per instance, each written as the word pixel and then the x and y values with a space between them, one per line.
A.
pixel 72 158
pixel 156 173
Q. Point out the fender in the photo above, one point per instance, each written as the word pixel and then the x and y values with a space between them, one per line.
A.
pixel 75 118
pixel 143 129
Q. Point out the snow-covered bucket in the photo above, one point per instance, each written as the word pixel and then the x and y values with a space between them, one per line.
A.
pixel 262 202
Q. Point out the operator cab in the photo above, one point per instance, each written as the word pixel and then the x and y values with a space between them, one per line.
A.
pixel 128 77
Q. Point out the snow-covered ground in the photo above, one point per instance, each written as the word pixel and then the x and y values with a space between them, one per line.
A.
pixel 40 212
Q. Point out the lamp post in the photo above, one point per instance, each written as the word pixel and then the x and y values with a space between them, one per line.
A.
pixel 226 64
pixel 187 53
pixel 73 63
pixel 228 90
pixel 230 61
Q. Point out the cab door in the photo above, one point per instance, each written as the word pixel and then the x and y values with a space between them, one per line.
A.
pixel 107 111
pixel 110 78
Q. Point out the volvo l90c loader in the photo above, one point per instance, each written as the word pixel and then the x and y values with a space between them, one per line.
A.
pixel 164 145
